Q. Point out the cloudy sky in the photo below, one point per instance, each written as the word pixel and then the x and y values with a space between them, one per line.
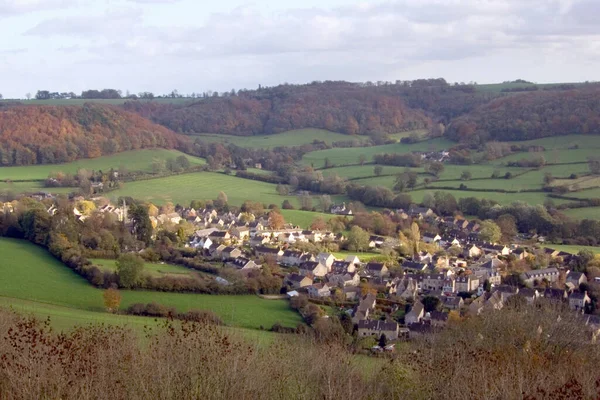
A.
pixel 201 45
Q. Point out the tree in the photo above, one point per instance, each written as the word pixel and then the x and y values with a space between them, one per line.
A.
pixel 318 224
pixel 112 299
pixel 306 202
pixel 152 210
pixel 378 170
pixel 326 202
pixel 594 165
pixel 142 226
pixel 445 203
pixel 129 269
pixel 490 231
pixel 362 159
pixel 382 341
pixel 276 220
pixel 358 239
pixel 508 226
pixel 548 178
pixel 466 175
pixel 221 200
pixel 286 205
pixel 431 303
pixel 166 208
pixel 436 168
pixel 415 236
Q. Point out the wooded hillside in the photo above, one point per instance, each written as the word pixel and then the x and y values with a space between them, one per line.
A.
pixel 339 107
pixel 531 115
pixel 56 134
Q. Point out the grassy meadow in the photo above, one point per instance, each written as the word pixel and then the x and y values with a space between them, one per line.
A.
pixel 305 218
pixel 136 160
pixel 156 270
pixel 351 156
pixel 29 273
pixel 296 137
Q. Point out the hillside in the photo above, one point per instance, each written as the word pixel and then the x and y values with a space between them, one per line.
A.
pixel 49 134
pixel 531 115
pixel 339 107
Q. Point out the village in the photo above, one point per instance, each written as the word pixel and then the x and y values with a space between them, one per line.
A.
pixel 451 274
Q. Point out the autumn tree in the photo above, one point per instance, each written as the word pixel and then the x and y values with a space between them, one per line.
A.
pixel 112 299
pixel 318 224
pixel 378 170
pixel 276 220
pixel 466 175
pixel 508 226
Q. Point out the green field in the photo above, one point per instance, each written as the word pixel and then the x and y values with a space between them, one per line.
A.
pixel 137 160
pixel 501 198
pixel 29 273
pixel 290 138
pixel 365 171
pixel 574 249
pixel 563 142
pixel 152 269
pixel 30 187
pixel 350 156
pixel 556 156
pixel 181 189
pixel 583 213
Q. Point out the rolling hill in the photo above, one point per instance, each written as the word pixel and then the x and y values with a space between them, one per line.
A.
pixel 52 134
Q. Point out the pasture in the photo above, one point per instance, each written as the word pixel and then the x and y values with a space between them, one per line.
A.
pixel 583 213
pixel 574 249
pixel 136 160
pixel 296 137
pixel 554 156
pixel 181 189
pixel 351 156
pixel 305 218
pixel 365 171
pixel 501 198
pixel 156 270
pixel 28 272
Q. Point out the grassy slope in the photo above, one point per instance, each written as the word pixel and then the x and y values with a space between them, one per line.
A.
pixel 290 138
pixel 205 185
pixel 150 268
pixel 351 156
pixel 583 213
pixel 573 249
pixel 304 218
pixel 29 273
pixel 138 160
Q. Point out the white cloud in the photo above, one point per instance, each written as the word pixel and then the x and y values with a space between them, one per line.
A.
pixel 369 41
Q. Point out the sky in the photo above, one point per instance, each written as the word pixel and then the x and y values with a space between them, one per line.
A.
pixel 201 45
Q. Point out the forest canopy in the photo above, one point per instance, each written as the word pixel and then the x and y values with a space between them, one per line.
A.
pixel 56 134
